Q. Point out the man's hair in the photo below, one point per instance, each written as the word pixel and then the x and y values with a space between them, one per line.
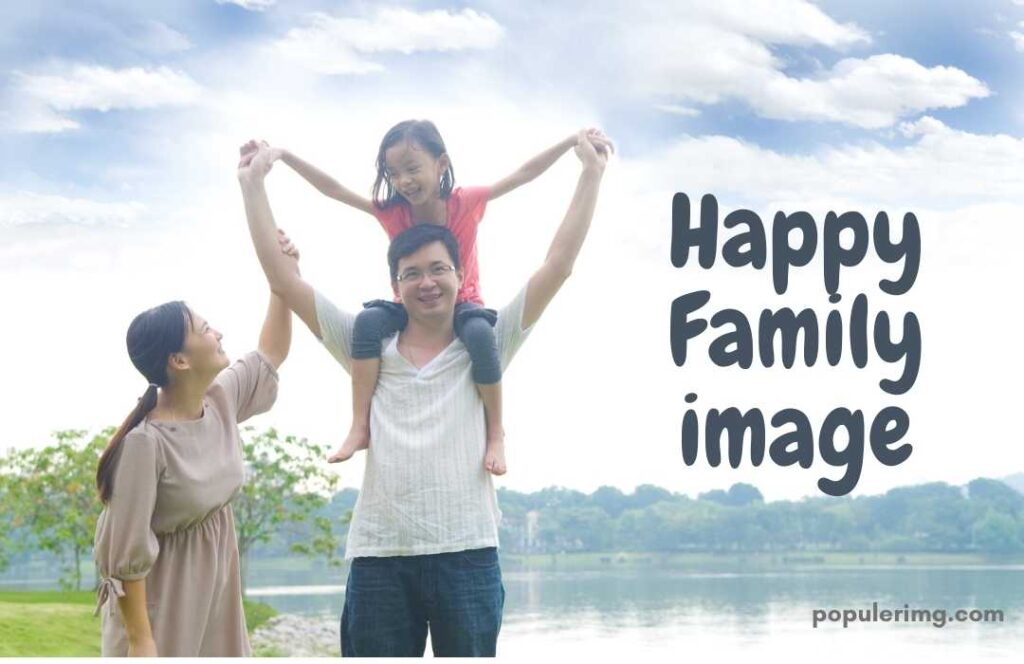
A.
pixel 412 239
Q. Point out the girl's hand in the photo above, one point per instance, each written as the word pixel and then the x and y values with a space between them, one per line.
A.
pixel 598 139
pixel 256 160
pixel 591 154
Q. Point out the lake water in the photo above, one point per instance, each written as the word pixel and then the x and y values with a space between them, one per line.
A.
pixel 626 613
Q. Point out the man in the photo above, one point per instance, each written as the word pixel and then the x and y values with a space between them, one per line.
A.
pixel 425 527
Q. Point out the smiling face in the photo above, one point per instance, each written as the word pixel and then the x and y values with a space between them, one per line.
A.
pixel 431 297
pixel 413 172
pixel 203 353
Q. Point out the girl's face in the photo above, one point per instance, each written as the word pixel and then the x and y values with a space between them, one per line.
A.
pixel 415 173
pixel 203 352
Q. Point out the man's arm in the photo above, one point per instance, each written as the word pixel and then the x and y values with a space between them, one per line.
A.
pixel 569 237
pixel 325 184
pixel 281 269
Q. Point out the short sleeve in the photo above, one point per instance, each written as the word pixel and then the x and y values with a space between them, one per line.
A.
pixel 393 219
pixel 126 547
pixel 335 330
pixel 472 204
pixel 251 385
pixel 508 331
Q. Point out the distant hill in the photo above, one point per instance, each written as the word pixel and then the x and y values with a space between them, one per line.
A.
pixel 1015 481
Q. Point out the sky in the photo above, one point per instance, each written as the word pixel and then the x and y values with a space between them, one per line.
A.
pixel 120 123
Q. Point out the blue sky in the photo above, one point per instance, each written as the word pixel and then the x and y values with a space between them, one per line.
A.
pixel 120 121
pixel 533 53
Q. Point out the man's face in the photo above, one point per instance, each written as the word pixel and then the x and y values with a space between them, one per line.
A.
pixel 430 292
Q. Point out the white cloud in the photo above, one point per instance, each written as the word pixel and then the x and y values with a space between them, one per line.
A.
pixel 942 168
pixel 676 109
pixel 1018 37
pixel 338 45
pixel 42 98
pixel 712 52
pixel 30 209
pixel 777 22
pixel 160 37
pixel 873 93
pixel 251 5
pixel 102 89
pixel 34 119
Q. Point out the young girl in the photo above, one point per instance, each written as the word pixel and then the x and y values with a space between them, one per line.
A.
pixel 415 184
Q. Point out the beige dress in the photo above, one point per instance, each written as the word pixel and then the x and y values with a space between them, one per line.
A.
pixel 169 521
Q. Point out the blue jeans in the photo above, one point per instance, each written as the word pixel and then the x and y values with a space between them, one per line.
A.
pixel 390 602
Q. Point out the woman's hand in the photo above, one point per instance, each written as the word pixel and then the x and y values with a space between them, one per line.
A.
pixel 287 247
pixel 144 648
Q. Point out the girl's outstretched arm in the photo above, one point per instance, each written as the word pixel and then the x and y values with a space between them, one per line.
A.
pixel 327 185
pixel 542 162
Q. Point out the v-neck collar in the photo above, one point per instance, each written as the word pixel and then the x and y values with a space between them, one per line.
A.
pixel 419 371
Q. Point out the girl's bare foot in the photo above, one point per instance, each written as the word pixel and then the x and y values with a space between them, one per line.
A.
pixel 358 439
pixel 494 459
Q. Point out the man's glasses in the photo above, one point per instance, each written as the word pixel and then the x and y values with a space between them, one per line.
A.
pixel 413 275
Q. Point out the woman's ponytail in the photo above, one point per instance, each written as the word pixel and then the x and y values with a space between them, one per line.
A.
pixel 110 456
pixel 153 336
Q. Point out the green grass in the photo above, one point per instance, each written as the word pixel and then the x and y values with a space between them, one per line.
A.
pixel 256 613
pixel 59 624
pixel 50 624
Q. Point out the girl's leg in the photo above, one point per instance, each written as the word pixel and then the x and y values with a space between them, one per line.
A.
pixel 378 320
pixel 475 327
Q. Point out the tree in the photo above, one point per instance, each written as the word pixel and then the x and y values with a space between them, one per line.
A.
pixel 287 482
pixel 7 506
pixel 610 500
pixel 997 533
pixel 52 495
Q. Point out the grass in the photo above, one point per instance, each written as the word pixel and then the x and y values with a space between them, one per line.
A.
pixel 256 613
pixel 49 624
pixel 61 624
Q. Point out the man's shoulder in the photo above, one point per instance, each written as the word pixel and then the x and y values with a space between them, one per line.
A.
pixel 336 326
pixel 510 316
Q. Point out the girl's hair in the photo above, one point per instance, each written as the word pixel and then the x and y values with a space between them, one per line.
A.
pixel 152 337
pixel 426 135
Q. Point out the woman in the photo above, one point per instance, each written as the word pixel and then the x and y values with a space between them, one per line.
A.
pixel 165 543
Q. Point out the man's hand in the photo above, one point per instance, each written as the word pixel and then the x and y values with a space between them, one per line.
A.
pixel 593 148
pixel 597 138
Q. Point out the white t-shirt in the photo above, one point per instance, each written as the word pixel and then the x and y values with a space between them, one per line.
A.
pixel 425 489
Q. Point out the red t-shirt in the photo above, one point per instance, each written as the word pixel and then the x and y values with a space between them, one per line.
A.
pixel 466 207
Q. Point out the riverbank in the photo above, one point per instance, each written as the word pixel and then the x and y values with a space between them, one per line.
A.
pixel 61 624
pixel 705 561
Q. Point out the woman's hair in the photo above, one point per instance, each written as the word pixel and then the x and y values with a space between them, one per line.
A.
pixel 152 337
pixel 424 134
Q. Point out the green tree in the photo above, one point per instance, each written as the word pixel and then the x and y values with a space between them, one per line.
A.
pixel 997 533
pixel 53 497
pixel 288 483
pixel 6 519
